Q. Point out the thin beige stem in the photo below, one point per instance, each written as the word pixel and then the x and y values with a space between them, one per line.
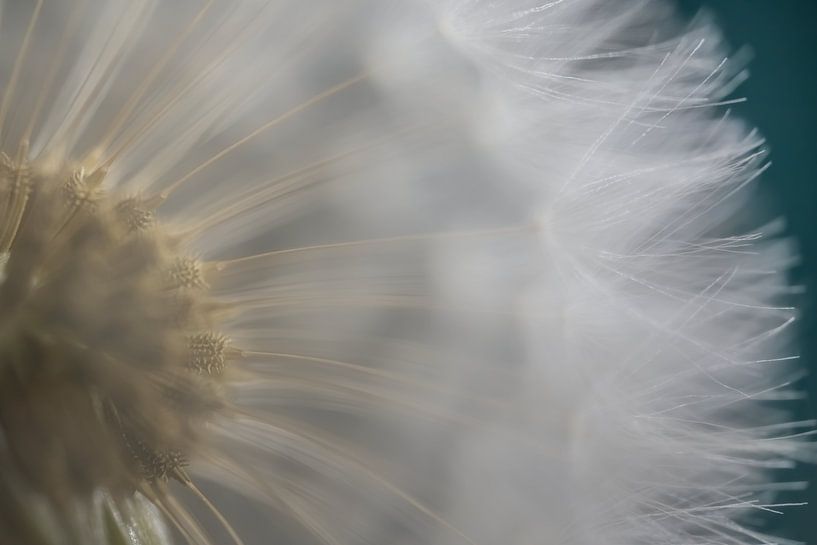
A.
pixel 140 91
pixel 335 448
pixel 263 128
pixel 362 369
pixel 274 186
pixel 62 47
pixel 227 526
pixel 181 91
pixel 156 500
pixel 184 518
pixel 378 241
pixel 18 64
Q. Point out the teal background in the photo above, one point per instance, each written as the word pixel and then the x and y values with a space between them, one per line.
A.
pixel 782 101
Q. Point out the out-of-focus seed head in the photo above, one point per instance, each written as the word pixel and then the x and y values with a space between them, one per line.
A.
pixel 107 346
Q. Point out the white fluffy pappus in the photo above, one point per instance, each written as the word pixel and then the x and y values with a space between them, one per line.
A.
pixel 363 271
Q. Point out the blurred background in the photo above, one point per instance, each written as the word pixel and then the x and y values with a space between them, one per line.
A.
pixel 781 93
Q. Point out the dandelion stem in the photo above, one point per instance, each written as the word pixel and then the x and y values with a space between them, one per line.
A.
pixel 385 240
pixel 367 371
pixel 263 128
pixel 272 188
pixel 160 65
pixel 15 73
pixel 189 484
pixel 181 91
pixel 70 27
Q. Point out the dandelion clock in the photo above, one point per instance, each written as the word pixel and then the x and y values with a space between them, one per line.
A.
pixel 372 271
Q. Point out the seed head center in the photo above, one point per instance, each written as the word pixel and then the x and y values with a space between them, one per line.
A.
pixel 109 362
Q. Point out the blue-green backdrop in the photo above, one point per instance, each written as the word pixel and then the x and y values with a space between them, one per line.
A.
pixel 782 101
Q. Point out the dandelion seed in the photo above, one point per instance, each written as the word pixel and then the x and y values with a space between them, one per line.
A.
pixel 456 273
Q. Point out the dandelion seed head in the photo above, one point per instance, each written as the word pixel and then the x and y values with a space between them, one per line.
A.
pixel 108 343
pixel 353 271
